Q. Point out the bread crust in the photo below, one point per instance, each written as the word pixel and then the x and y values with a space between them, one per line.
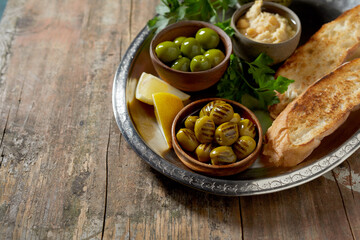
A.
pixel 315 114
pixel 333 44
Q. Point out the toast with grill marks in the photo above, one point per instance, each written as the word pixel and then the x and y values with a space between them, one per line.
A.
pixel 335 43
pixel 316 113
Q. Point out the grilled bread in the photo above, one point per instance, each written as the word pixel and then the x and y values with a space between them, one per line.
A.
pixel 316 113
pixel 335 43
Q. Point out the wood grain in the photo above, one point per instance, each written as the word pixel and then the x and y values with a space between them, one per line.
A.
pixel 66 172
pixel 310 211
pixel 347 177
pixel 57 89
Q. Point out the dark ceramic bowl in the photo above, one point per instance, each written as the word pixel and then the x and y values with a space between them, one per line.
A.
pixel 215 170
pixel 249 49
pixel 190 81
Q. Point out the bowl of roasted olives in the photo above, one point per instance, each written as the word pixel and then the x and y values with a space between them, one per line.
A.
pixel 191 55
pixel 216 137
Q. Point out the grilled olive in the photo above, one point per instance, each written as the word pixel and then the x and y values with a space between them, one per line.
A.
pixel 236 118
pixel 222 155
pixel 190 122
pixel 227 133
pixel 222 113
pixel 247 128
pixel 205 111
pixel 187 139
pixel 203 151
pixel 204 129
pixel 244 146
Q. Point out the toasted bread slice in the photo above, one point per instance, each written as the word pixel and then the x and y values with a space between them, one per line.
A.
pixel 335 43
pixel 316 113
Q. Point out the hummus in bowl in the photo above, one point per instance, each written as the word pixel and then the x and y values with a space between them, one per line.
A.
pixel 265 27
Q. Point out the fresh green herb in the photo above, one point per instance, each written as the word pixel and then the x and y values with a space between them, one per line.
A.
pixel 252 83
pixel 225 25
pixel 171 11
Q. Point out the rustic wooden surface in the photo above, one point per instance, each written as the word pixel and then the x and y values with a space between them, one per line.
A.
pixel 66 172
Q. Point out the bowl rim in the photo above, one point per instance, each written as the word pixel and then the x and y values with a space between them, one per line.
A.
pixel 246 6
pixel 236 164
pixel 184 23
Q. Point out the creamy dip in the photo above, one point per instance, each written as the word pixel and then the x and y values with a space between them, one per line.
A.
pixel 264 26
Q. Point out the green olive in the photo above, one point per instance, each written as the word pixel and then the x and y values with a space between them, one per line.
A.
pixel 190 47
pixel 215 56
pixel 167 51
pixel 222 155
pixel 236 118
pixel 204 129
pixel 190 122
pixel 187 139
pixel 203 152
pixel 200 63
pixel 181 64
pixel 179 40
pixel 227 133
pixel 205 111
pixel 208 38
pixel 247 128
pixel 222 113
pixel 244 146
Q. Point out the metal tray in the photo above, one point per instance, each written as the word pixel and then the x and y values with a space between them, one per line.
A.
pixel 138 124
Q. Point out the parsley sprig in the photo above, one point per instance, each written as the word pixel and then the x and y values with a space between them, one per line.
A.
pixel 252 83
pixel 171 11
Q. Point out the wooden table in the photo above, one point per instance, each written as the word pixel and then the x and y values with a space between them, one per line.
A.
pixel 66 172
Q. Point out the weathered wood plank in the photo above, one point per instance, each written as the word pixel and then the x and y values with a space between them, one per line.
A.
pixel 143 204
pixel 57 88
pixel 310 211
pixel 7 32
pixel 347 177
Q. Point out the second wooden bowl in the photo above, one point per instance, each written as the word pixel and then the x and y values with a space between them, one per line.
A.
pixel 215 170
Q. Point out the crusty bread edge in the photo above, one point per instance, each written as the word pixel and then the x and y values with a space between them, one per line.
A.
pixel 294 153
pixel 351 54
pixel 316 35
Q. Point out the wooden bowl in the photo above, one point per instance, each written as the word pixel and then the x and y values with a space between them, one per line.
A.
pixel 249 49
pixel 191 162
pixel 190 81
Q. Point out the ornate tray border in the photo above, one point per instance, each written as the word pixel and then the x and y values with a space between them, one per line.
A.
pixel 201 182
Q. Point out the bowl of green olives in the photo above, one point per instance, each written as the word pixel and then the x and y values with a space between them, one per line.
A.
pixel 216 137
pixel 191 55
